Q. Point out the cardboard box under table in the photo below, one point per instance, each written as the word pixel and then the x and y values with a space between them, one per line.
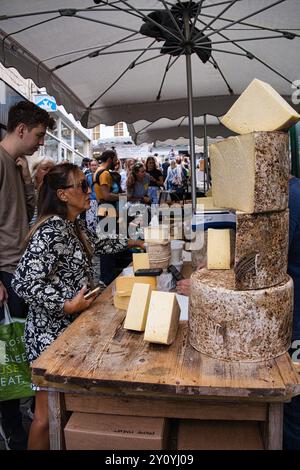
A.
pixel 98 367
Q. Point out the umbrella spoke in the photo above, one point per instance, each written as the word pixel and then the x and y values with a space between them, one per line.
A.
pixel 218 4
pixel 93 20
pixel 95 53
pixel 173 19
pixel 282 36
pixel 218 16
pixel 151 20
pixel 165 73
pixel 253 26
pixel 241 19
pixel 196 17
pixel 216 66
pixel 129 67
pixel 29 27
pixel 252 56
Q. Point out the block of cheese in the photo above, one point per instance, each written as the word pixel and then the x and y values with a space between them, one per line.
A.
pixel 121 302
pixel 140 261
pixel 220 248
pixel 138 307
pixel 124 284
pixel 159 234
pixel 163 318
pixel 206 204
pixel 250 172
pixel 261 249
pixel 259 108
pixel 228 324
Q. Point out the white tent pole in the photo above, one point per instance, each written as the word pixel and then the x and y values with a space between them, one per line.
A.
pixel 190 112
pixel 206 169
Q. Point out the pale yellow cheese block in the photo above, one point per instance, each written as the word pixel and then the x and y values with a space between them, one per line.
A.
pixel 124 284
pixel 259 108
pixel 138 307
pixel 121 302
pixel 163 318
pixel 206 204
pixel 250 172
pixel 219 247
pixel 140 261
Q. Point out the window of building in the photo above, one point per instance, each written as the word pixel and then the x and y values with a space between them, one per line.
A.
pixel 119 129
pixel 96 133
pixel 50 148
pixel 78 143
pixel 66 133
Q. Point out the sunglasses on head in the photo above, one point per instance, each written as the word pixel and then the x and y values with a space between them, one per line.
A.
pixel 83 185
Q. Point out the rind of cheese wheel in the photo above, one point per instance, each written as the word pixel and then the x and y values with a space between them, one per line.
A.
pixel 259 108
pixel 250 173
pixel 261 249
pixel 124 284
pixel 252 325
pixel 163 318
pixel 138 307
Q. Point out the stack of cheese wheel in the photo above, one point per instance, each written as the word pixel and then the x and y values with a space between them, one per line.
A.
pixel 158 246
pixel 241 306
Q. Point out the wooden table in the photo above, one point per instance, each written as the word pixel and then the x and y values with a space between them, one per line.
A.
pixel 96 366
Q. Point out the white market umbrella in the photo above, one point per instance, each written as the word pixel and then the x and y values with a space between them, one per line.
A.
pixel 105 63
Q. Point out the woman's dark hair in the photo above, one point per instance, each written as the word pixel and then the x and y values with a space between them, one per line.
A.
pixel 57 178
pixel 132 175
pixel 49 203
pixel 151 159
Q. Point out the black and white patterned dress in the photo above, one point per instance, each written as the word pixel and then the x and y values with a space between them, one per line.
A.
pixel 52 270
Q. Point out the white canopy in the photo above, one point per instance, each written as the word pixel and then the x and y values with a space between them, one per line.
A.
pixel 167 129
pixel 94 61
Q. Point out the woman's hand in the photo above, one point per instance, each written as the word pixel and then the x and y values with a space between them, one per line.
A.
pixel 146 199
pixel 183 287
pixel 3 294
pixel 22 163
pixel 78 303
pixel 139 243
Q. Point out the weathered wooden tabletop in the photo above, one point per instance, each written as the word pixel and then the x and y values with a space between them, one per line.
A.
pixel 96 352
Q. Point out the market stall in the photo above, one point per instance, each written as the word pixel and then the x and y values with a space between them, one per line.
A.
pixel 97 367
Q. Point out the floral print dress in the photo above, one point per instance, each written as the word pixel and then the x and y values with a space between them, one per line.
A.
pixel 52 270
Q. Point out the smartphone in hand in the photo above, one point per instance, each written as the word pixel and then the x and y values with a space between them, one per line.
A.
pixel 92 293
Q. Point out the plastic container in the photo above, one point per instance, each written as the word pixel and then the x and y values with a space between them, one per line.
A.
pixel 176 251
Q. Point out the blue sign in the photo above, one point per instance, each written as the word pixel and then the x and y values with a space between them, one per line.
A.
pixel 46 102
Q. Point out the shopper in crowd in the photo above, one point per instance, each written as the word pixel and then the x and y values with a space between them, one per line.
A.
pixel 137 184
pixel 55 271
pixel 91 213
pixel 165 165
pixel 156 179
pixel 85 165
pixel 171 175
pixel 107 187
pixel 26 128
pixel 39 170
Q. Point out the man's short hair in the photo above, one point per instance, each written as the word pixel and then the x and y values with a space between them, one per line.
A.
pixel 30 114
pixel 106 155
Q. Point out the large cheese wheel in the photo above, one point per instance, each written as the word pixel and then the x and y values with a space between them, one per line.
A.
pixel 233 325
pixel 250 172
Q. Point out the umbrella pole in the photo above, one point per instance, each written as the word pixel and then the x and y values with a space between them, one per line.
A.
pixel 191 115
pixel 206 172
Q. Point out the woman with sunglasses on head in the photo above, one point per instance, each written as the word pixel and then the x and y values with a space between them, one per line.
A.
pixel 55 271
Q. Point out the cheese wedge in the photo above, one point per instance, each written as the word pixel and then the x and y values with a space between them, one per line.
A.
pixel 259 108
pixel 124 284
pixel 219 249
pixel 140 261
pixel 163 318
pixel 138 307
pixel 121 302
